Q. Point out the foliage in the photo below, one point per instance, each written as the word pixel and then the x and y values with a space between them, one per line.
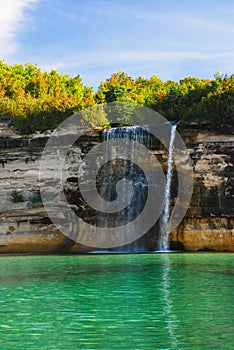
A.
pixel 38 100
pixel 189 100
pixel 16 197
pixel 35 199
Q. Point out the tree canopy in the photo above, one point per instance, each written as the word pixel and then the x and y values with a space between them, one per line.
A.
pixel 37 100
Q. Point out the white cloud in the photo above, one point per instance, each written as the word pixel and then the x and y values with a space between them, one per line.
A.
pixel 12 17
pixel 100 58
pixel 182 20
pixel 204 24
pixel 52 66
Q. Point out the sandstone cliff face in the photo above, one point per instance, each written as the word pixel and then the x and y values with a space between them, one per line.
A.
pixel 26 228
pixel 24 224
pixel 209 222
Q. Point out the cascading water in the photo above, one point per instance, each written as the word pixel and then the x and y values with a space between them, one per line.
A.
pixel 164 239
pixel 120 169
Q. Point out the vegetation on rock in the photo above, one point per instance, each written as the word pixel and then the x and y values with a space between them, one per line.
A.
pixel 16 197
pixel 35 199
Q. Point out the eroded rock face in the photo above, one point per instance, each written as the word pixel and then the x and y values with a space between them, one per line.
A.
pixel 201 234
pixel 26 228
pixel 24 223
pixel 208 224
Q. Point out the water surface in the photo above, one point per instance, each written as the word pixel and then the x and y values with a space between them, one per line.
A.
pixel 146 301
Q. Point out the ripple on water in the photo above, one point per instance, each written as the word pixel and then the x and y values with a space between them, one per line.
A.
pixel 151 301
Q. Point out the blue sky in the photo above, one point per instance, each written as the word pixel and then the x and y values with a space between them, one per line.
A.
pixel 170 39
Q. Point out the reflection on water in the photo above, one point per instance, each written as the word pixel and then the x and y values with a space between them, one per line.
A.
pixel 148 301
pixel 168 303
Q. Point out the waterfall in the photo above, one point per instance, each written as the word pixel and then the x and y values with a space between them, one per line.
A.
pixel 120 169
pixel 164 243
pixel 126 169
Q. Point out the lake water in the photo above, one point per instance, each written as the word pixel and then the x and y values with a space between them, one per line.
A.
pixel 145 301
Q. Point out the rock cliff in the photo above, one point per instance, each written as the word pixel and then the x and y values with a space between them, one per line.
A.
pixel 209 222
pixel 26 228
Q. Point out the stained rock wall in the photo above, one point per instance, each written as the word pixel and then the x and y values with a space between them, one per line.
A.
pixel 209 222
pixel 26 228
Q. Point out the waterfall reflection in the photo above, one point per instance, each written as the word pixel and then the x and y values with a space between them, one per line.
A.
pixel 171 318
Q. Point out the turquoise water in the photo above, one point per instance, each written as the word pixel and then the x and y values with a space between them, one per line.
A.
pixel 146 301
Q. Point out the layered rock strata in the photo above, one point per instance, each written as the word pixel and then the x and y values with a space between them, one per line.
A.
pixel 26 228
